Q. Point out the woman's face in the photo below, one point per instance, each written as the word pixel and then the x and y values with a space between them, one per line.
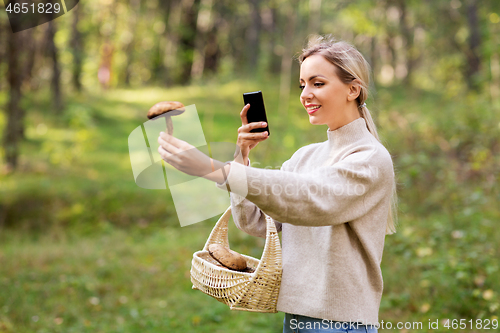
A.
pixel 326 99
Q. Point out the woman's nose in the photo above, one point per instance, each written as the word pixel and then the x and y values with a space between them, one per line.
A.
pixel 306 93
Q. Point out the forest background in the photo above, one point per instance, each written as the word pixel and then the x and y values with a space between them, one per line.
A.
pixel 84 249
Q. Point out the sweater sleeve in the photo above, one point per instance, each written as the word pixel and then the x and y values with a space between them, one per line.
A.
pixel 246 215
pixel 329 195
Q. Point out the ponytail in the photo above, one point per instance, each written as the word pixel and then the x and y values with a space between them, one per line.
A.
pixel 370 124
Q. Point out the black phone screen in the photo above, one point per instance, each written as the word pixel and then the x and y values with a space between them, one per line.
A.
pixel 257 111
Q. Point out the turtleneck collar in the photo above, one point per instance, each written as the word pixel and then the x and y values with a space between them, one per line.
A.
pixel 349 133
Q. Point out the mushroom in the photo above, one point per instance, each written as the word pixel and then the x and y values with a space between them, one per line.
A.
pixel 171 107
pixel 227 257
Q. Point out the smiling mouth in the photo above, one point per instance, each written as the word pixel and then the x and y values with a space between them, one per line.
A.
pixel 313 109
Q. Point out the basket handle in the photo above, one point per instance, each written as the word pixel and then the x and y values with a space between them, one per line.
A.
pixel 219 232
pixel 219 235
pixel 271 259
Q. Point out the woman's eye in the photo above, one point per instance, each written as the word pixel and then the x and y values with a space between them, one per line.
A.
pixel 319 84
pixel 302 87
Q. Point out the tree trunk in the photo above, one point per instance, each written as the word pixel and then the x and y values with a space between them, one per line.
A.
pixel 373 56
pixel 314 24
pixel 275 61
pixel 157 59
pixel 187 39
pixel 473 60
pixel 166 8
pixel 172 19
pixel 408 33
pixel 286 60
pixel 30 51
pixel 392 50
pixel 135 6
pixel 212 49
pixel 29 47
pixel 253 36
pixel 3 215
pixel 4 31
pixel 15 113
pixel 77 49
pixel 55 83
pixel 495 76
pixel 203 25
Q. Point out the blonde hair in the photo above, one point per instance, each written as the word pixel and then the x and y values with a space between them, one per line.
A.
pixel 351 65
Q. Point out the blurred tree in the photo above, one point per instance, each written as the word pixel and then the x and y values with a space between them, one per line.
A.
pixel 392 33
pixel 459 38
pixel 290 13
pixel 203 25
pixel 77 48
pixel 134 11
pixel 53 53
pixel 4 27
pixel 212 51
pixel 172 18
pixel 188 32
pixel 408 32
pixel 314 24
pixel 252 38
pixel 160 66
pixel 16 44
pixel 494 54
pixel 31 53
pixel 107 41
pixel 373 57
pixel 236 20
pixel 472 53
pixel 274 49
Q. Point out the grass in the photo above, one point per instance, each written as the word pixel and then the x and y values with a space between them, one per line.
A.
pixel 117 281
pixel 84 249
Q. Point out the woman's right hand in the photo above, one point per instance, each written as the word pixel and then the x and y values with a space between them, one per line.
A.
pixel 246 139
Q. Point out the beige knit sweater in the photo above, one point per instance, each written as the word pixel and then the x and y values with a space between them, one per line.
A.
pixel 331 202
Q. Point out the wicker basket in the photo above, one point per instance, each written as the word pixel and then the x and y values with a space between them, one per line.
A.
pixel 256 291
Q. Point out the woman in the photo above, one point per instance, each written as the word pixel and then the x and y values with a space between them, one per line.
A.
pixel 331 200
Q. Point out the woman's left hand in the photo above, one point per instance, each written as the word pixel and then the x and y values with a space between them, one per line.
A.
pixel 183 156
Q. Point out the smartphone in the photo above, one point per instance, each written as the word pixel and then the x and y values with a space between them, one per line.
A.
pixel 257 111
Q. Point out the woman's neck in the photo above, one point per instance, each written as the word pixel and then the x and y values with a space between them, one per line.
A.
pixel 350 114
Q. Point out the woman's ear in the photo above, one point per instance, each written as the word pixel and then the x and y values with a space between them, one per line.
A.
pixel 354 90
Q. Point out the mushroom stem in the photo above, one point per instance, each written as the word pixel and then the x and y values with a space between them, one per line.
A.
pixel 170 126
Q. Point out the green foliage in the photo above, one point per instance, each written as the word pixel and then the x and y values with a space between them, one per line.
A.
pixel 446 154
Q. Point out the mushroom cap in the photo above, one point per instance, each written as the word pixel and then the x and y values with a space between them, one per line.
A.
pixel 174 108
